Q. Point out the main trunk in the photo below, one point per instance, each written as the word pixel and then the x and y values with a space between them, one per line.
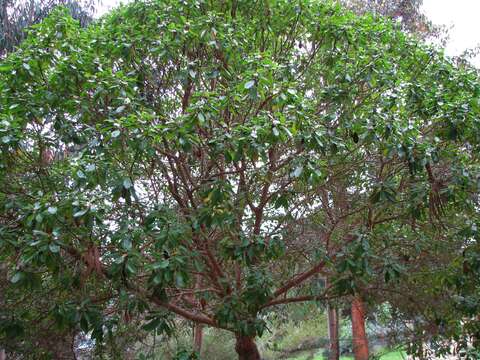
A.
pixel 334 346
pixel 246 348
pixel 360 341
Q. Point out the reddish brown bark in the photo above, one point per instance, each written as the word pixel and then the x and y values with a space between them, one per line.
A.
pixel 197 338
pixel 334 346
pixel 360 341
pixel 299 279
pixel 198 318
pixel 246 348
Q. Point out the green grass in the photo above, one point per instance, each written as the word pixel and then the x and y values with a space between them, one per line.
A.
pixel 394 355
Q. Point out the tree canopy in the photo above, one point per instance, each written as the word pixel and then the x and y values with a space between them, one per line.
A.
pixel 212 160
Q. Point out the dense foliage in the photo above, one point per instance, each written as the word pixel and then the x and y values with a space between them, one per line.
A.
pixel 214 159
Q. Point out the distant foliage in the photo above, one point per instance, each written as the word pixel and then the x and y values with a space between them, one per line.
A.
pixel 16 16
pixel 407 12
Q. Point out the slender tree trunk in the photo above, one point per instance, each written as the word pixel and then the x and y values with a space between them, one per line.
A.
pixel 246 348
pixel 360 341
pixel 197 328
pixel 334 346
pixel 3 356
pixel 197 338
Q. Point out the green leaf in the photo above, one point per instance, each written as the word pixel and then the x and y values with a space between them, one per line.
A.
pixel 84 324
pixel 130 267
pixel 281 201
pixel 54 248
pixel 5 68
pixel 297 172
pixel 127 243
pixel 81 174
pixel 80 213
pixel 17 277
pixel 249 84
pixel 115 133
pixel 39 218
pixel 120 109
pixel 151 325
pixel 163 264
pixel 127 183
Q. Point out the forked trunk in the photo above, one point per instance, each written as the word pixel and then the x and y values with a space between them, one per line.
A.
pixel 246 348
pixel 334 346
pixel 360 341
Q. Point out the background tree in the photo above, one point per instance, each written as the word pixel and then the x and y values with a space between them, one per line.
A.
pixel 407 12
pixel 409 15
pixel 17 16
pixel 15 19
pixel 165 160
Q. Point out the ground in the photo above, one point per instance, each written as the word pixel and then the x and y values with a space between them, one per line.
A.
pixel 394 355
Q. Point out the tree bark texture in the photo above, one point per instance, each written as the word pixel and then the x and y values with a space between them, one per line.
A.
pixel 197 338
pixel 246 348
pixel 360 341
pixel 334 345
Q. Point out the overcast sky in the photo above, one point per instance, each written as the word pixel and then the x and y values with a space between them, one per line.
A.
pixel 461 15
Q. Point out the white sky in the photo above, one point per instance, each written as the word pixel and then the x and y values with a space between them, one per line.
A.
pixel 461 15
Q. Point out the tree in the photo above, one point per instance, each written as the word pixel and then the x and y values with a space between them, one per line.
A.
pixel 429 306
pixel 16 17
pixel 170 159
pixel 333 331
pixel 407 12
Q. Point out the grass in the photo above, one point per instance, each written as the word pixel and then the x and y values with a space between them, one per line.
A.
pixel 394 355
